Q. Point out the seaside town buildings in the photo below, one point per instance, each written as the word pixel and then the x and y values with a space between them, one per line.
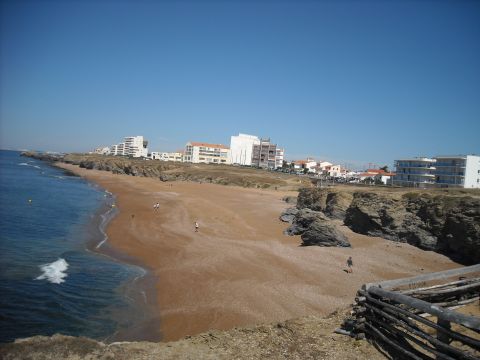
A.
pixel 199 152
pixel 250 150
pixel 134 146
pixel 441 171
pixel 377 174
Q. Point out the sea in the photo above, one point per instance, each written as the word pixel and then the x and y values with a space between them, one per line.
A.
pixel 54 277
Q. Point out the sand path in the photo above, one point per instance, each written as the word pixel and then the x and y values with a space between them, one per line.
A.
pixel 239 269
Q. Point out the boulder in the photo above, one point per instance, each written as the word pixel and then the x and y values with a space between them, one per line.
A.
pixel 302 221
pixel 324 233
pixel 289 214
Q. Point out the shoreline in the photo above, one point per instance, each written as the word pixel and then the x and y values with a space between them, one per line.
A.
pixel 240 269
pixel 138 291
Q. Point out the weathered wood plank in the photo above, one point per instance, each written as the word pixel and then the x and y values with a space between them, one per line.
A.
pixel 446 285
pixel 474 343
pixel 389 284
pixel 378 334
pixel 470 322
pixel 417 341
pixel 434 341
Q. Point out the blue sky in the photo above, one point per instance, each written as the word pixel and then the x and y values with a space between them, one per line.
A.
pixel 355 82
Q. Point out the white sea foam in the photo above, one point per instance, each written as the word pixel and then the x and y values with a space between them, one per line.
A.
pixel 54 272
pixel 27 164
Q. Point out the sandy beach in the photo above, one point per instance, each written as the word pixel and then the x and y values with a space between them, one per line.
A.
pixel 239 268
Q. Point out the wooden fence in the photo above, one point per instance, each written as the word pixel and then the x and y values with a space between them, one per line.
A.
pixel 432 316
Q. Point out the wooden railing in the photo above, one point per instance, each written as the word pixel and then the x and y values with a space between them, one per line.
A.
pixel 417 317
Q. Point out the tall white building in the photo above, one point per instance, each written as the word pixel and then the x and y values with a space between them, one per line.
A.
pixel 241 148
pixel 279 157
pixel 458 171
pixel 198 152
pixel 136 146
pixel 121 149
pixel 114 149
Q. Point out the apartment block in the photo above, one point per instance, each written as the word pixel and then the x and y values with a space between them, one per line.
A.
pixel 241 148
pixel 168 156
pixel 458 171
pixel 136 146
pixel 199 152
pixel 264 154
pixel 121 149
pixel 415 172
pixel 279 157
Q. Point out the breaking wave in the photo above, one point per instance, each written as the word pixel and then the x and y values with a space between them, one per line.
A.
pixel 54 272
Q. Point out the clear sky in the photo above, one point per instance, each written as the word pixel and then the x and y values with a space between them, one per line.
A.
pixel 346 81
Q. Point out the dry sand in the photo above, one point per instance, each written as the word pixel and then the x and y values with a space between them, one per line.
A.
pixel 239 269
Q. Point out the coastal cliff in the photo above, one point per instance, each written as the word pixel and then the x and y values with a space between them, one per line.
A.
pixel 445 221
pixel 178 171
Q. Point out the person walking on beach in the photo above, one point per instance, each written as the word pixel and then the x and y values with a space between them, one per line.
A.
pixel 196 226
pixel 349 264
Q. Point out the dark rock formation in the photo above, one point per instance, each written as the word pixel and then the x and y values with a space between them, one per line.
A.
pixel 302 221
pixel 289 214
pixel 316 229
pixel 314 199
pixel 324 233
pixel 441 221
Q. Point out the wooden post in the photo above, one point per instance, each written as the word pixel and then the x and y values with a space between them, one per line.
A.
pixel 441 335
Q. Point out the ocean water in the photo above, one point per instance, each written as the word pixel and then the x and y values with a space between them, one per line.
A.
pixel 49 281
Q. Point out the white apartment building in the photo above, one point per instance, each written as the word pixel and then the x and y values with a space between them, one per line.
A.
pixel 308 164
pixel 279 157
pixel 457 171
pixel 121 149
pixel 199 152
pixel 167 156
pixel 114 149
pixel 102 150
pixel 241 148
pixel 416 172
pixel 335 171
pixel 136 146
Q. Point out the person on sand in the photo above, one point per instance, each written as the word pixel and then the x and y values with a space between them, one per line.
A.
pixel 196 226
pixel 349 264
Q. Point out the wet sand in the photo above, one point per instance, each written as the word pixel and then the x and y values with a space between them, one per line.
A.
pixel 239 269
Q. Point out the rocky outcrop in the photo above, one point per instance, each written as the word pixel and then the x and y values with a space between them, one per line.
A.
pixel 316 229
pixel 443 221
pixel 324 233
pixel 328 200
pixel 289 215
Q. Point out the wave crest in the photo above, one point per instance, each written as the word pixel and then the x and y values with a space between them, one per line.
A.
pixel 54 272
